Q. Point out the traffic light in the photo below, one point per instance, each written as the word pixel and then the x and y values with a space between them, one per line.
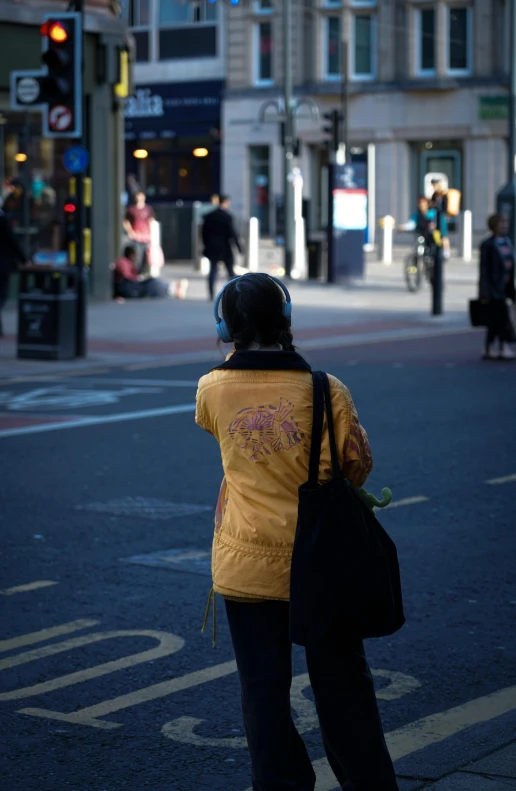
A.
pixel 70 219
pixel 61 85
pixel 333 128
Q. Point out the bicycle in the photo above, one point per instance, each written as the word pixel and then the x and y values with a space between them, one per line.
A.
pixel 419 264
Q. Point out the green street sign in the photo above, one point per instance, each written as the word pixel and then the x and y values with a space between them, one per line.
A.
pixel 493 108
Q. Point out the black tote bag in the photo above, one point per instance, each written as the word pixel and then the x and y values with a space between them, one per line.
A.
pixel 345 573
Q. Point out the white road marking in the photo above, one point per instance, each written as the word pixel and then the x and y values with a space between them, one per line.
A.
pixel 405 501
pixel 431 730
pixel 167 644
pixel 46 634
pixel 98 420
pixel 30 586
pixel 91 714
pixel 505 479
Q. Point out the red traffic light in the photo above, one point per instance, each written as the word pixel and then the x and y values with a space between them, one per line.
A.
pixel 55 31
pixel 70 208
pixel 58 33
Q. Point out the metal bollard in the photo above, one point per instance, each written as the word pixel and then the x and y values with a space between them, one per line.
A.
pixel 467 236
pixel 385 249
pixel 300 268
pixel 253 245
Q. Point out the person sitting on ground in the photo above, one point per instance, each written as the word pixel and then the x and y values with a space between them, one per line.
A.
pixel 422 221
pixel 129 284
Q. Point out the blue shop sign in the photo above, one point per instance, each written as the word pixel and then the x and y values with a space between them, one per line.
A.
pixel 168 110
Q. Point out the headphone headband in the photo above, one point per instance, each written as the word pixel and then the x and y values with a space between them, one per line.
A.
pixel 222 328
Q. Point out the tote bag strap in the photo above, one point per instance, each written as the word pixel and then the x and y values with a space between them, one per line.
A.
pixel 321 394
pixel 317 428
pixel 336 472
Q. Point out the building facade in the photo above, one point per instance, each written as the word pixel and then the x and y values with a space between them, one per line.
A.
pixel 427 87
pixel 173 122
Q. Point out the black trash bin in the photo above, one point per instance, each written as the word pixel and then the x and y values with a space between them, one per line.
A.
pixel 317 250
pixel 47 313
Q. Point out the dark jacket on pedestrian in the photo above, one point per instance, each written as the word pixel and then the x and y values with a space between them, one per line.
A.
pixel 11 253
pixel 496 269
pixel 218 233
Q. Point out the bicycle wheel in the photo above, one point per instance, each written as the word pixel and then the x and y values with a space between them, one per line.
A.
pixel 413 272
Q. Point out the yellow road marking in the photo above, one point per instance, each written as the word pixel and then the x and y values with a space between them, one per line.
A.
pixel 406 501
pixel 30 586
pixel 182 729
pixel 498 481
pixel 45 634
pixel 90 714
pixel 168 644
pixel 431 730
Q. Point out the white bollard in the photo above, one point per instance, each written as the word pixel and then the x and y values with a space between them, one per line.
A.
pixel 155 233
pixel 253 245
pixel 300 268
pixel 467 236
pixel 386 239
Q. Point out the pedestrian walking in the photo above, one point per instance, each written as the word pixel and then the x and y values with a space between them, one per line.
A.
pixel 137 223
pixel 11 255
pixel 258 405
pixel 496 288
pixel 218 236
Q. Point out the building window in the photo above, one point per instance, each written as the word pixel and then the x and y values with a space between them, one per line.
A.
pixel 363 3
pixel 332 47
pixel 264 7
pixel 459 40
pixel 187 30
pixel 139 21
pixel 171 13
pixel 263 53
pixel 425 41
pixel 363 55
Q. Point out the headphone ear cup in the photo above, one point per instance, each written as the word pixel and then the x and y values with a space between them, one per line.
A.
pixel 287 311
pixel 223 332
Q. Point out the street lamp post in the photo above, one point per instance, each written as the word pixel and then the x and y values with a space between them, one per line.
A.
pixel 506 199
pixel 288 145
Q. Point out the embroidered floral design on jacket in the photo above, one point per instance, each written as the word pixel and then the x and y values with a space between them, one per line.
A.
pixel 259 431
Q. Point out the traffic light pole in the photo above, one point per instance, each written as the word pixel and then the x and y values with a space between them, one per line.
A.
pixel 288 146
pixel 82 273
pixel 344 98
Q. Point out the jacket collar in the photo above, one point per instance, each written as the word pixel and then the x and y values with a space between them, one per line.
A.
pixel 264 361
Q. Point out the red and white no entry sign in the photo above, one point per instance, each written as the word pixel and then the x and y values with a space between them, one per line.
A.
pixel 60 118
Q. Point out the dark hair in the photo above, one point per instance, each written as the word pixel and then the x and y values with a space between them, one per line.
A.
pixel 224 199
pixel 422 197
pixel 252 307
pixel 129 250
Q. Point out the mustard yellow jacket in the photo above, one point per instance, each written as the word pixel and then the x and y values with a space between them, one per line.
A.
pixel 262 420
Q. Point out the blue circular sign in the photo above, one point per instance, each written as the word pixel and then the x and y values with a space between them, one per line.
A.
pixel 76 159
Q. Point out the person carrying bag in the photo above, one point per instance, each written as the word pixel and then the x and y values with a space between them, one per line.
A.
pixel 259 406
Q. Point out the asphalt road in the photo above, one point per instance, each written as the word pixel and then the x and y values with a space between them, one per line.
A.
pixel 107 681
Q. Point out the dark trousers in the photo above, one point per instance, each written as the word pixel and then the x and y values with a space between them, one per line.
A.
pixel 141 262
pixel 139 289
pixel 500 325
pixel 213 274
pixel 344 696
pixel 4 293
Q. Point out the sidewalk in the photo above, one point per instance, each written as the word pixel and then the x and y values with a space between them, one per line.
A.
pixel 174 331
pixel 495 772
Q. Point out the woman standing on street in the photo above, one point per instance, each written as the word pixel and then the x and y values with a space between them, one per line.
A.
pixel 496 286
pixel 258 405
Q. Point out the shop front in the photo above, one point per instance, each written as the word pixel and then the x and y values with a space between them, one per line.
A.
pixel 173 145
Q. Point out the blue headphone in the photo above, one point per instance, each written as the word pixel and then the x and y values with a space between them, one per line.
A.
pixel 222 328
